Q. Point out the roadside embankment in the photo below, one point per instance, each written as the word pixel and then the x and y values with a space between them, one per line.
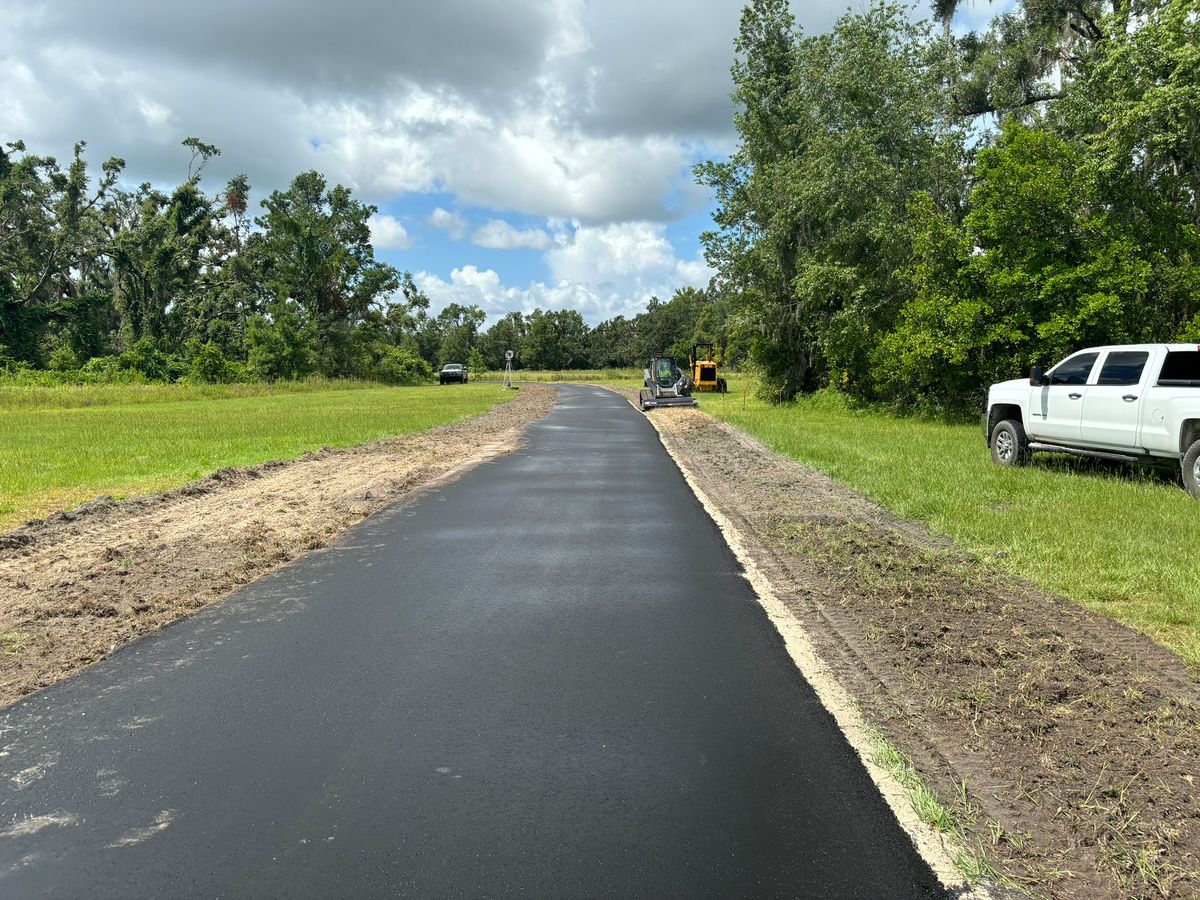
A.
pixel 79 584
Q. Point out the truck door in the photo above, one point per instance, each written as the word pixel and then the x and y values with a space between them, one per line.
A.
pixel 1057 408
pixel 1112 406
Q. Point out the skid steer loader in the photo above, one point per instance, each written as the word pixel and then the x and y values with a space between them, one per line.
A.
pixel 665 385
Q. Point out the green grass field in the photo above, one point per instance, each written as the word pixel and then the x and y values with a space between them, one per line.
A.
pixel 63 445
pixel 69 396
pixel 1120 540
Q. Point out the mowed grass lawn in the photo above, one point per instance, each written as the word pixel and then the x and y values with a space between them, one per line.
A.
pixel 61 446
pixel 1121 540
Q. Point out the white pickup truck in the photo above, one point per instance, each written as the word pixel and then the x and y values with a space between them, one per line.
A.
pixel 1132 402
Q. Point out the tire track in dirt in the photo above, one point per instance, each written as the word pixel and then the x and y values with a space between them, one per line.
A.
pixel 78 585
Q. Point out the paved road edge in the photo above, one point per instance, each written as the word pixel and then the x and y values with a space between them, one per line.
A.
pixel 935 848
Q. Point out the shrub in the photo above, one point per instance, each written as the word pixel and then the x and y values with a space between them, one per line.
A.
pixel 145 358
pixel 106 370
pixel 64 359
pixel 211 367
pixel 393 365
pixel 282 345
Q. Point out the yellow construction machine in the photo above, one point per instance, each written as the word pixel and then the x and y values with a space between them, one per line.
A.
pixel 704 370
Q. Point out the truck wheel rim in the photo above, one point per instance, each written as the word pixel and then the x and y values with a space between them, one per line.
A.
pixel 1004 445
pixel 1196 472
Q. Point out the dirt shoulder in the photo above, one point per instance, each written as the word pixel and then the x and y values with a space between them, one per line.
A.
pixel 78 585
pixel 1067 745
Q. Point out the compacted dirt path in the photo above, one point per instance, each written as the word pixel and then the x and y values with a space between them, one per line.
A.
pixel 78 585
pixel 1068 745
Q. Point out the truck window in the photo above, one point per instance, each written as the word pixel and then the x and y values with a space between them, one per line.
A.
pixel 1182 369
pixel 1075 370
pixel 1123 367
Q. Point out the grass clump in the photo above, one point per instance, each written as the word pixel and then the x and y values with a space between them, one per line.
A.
pixel 924 802
pixel 60 446
pixel 929 809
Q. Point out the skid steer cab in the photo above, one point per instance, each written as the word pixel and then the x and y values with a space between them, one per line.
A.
pixel 665 385
pixel 704 370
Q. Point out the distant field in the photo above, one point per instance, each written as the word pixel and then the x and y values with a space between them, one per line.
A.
pixel 69 396
pixel 631 377
pixel 61 446
pixel 1119 540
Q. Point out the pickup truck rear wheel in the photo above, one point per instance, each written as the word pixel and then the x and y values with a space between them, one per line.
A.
pixel 1191 470
pixel 1010 446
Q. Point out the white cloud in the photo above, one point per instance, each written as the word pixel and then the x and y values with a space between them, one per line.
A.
pixel 351 147
pixel 469 285
pixel 357 49
pixel 18 89
pixel 533 165
pixel 388 233
pixel 600 271
pixel 601 254
pixel 154 113
pixel 694 272
pixel 585 114
pixel 450 222
pixel 500 235
pixel 584 110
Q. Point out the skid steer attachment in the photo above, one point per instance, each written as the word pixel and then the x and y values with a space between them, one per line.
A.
pixel 665 385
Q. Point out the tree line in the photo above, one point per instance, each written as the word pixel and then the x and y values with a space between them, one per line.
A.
pixel 560 339
pixel 912 214
pixel 102 282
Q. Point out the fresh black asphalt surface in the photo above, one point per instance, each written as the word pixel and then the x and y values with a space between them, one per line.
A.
pixel 545 679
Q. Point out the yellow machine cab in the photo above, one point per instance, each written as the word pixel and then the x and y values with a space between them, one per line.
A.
pixel 704 370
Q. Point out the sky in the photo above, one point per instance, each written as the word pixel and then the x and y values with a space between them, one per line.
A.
pixel 525 153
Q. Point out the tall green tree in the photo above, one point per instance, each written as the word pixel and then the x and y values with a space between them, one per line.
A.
pixel 612 343
pixel 158 254
pixel 1040 266
pixel 836 132
pixel 232 288
pixel 459 328
pixel 317 244
pixel 283 343
pixel 52 242
pixel 755 246
pixel 1081 227
pixel 508 333
pixel 1136 116
pixel 556 339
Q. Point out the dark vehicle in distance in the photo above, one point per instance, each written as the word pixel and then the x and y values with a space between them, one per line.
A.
pixel 453 372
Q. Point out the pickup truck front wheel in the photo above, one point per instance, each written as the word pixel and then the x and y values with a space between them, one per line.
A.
pixel 1010 446
pixel 1191 470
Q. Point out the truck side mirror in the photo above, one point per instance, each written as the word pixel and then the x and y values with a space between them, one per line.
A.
pixel 1036 376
